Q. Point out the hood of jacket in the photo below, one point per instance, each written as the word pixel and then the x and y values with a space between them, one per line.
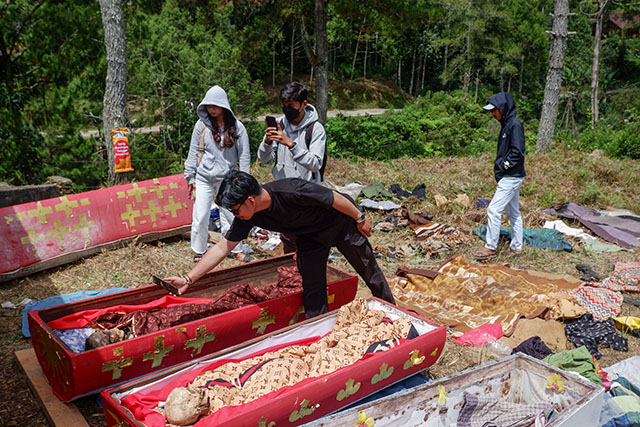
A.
pixel 504 102
pixel 215 96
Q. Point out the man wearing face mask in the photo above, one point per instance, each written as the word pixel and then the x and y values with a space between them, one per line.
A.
pixel 287 143
pixel 298 143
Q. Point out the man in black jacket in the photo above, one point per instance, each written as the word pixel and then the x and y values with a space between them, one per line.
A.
pixel 318 217
pixel 509 172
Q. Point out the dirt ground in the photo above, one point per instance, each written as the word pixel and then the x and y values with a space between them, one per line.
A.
pixel 134 264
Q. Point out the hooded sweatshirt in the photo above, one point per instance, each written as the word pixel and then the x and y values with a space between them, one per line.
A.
pixel 299 161
pixel 511 146
pixel 216 161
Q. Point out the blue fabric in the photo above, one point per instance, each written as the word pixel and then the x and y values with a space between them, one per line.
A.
pixel 61 299
pixel 541 238
pixel 405 384
pixel 75 339
pixel 621 405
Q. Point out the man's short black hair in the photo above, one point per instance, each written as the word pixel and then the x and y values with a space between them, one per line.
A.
pixel 235 188
pixel 293 91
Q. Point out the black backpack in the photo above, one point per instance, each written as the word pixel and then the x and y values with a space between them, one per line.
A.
pixel 307 139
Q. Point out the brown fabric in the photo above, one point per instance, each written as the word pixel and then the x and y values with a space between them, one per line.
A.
pixel 143 322
pixel 465 296
pixel 355 329
pixel 402 271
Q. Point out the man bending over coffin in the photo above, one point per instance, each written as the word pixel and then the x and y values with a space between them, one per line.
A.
pixel 319 218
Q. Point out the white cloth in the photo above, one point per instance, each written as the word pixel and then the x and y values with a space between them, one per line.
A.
pixel 385 205
pixel 566 230
pixel 506 199
pixel 205 192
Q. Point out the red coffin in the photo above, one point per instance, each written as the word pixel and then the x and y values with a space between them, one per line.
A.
pixel 73 375
pixel 311 399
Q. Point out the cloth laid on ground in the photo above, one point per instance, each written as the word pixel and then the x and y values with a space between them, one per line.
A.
pixel 61 299
pixel 418 191
pixel 376 190
pixel 240 382
pixel 540 238
pixel 602 303
pixel 621 406
pixel 440 237
pixel 625 277
pixel 464 296
pixel 493 410
pixel 480 336
pixel 622 231
pixel 351 189
pixel 551 332
pixel 590 333
pixel 578 360
pixel 385 205
pixel 482 203
pixel 413 218
pixel 588 242
pixel 628 324
pixel 566 230
pixel 534 347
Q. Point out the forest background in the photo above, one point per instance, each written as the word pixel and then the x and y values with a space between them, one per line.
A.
pixel 435 61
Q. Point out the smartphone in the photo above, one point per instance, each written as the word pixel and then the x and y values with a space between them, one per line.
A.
pixel 166 285
pixel 271 122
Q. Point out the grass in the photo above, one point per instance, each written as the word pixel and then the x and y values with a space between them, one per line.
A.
pixel 560 176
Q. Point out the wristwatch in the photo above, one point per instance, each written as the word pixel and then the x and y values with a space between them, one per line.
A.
pixel 361 218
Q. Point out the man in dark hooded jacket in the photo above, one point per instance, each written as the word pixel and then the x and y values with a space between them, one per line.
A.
pixel 509 172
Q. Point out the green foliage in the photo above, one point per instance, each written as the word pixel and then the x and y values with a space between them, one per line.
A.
pixel 436 124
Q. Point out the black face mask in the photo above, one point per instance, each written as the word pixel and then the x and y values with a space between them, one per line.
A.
pixel 290 113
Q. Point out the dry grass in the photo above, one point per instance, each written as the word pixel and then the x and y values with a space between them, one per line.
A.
pixel 592 180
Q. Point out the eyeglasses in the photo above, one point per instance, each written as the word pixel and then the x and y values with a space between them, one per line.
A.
pixel 234 211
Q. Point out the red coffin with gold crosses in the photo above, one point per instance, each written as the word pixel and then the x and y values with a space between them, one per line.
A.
pixel 72 375
pixel 132 404
pixel 52 232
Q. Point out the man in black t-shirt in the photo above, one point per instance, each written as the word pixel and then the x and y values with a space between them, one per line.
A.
pixel 319 218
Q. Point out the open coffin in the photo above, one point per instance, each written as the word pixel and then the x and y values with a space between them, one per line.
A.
pixel 72 375
pixel 296 401
pixel 516 379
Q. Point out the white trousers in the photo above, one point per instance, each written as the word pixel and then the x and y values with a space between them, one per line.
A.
pixel 506 199
pixel 204 194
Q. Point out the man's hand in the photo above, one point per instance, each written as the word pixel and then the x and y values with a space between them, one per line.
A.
pixel 191 188
pixel 178 282
pixel 278 135
pixel 364 227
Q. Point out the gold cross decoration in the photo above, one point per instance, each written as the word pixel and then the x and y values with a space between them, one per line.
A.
pixel 130 215
pixel 40 212
pixel 158 190
pixel 158 353
pixel 137 192
pixel 117 365
pixel 295 317
pixel 152 211
pixel 59 232
pixel 202 337
pixel 83 226
pixel 172 207
pixel 66 205
pixel 32 237
pixel 303 412
pixel 117 420
pixel 263 321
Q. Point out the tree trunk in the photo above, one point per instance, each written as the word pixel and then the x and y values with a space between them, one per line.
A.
pixel 552 88
pixel 366 50
pixel 355 55
pixel 114 114
pixel 596 62
pixel 319 57
pixel 293 28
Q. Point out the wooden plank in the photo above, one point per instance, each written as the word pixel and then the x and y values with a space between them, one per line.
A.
pixel 58 413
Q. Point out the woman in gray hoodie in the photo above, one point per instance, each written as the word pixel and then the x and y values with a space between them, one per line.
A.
pixel 219 143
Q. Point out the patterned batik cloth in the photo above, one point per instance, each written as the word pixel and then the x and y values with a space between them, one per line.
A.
pixel 75 339
pixel 357 327
pixel 591 333
pixel 494 411
pixel 143 322
pixel 625 277
pixel 602 303
pixel 465 296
